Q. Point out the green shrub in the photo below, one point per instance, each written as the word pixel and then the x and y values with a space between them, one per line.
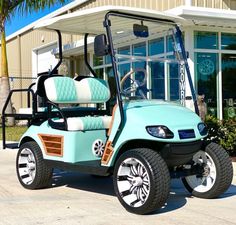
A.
pixel 222 132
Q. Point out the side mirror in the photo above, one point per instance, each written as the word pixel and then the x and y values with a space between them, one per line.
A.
pixel 140 30
pixel 101 47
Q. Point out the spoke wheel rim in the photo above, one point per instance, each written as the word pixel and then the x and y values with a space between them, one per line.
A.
pixel 26 166
pixel 207 181
pixel 133 182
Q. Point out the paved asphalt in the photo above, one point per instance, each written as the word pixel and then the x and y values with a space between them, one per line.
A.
pixel 84 199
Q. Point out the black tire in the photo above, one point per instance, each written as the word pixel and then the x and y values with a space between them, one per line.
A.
pixel 223 175
pixel 158 179
pixel 30 156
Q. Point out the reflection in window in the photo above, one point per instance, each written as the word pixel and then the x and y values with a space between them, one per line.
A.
pixel 206 69
pixel 156 46
pixel 203 39
pixel 228 41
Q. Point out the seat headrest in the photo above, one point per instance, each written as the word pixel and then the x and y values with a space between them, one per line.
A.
pixel 67 90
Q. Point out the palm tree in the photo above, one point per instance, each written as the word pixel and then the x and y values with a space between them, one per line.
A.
pixel 7 10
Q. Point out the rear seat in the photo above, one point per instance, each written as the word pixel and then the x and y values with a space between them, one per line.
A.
pixel 87 123
pixel 65 90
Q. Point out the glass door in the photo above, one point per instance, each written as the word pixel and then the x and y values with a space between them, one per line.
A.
pixel 228 86
pixel 206 70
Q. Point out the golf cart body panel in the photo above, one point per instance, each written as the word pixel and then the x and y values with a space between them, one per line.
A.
pixel 76 146
pixel 142 114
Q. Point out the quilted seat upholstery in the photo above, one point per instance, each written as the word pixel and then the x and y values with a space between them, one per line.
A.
pixel 66 90
pixel 87 123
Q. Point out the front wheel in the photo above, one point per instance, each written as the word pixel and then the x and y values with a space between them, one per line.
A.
pixel 217 175
pixel 141 181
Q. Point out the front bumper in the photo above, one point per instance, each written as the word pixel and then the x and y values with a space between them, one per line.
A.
pixel 176 154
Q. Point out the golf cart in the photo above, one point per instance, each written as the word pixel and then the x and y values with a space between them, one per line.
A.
pixel 146 138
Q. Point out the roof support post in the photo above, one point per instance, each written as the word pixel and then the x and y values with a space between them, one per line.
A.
pixel 107 24
pixel 60 53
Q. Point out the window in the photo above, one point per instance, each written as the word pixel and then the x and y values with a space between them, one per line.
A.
pixel 228 41
pixel 99 73
pixel 169 43
pixel 139 49
pixel 174 81
pixel 205 39
pixel 157 80
pixel 124 51
pixel 228 85
pixel 107 59
pixel 97 61
pixel 156 46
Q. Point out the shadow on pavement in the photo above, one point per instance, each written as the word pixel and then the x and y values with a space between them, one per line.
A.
pixel 231 192
pixel 177 198
pixel 85 182
pixel 104 185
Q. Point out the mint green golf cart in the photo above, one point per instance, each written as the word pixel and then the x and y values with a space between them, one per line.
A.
pixel 122 122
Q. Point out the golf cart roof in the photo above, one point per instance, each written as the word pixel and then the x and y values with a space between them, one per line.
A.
pixel 91 20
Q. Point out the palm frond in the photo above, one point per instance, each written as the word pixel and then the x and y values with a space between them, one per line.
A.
pixel 29 6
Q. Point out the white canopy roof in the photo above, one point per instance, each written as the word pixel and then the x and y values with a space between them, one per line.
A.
pixel 91 20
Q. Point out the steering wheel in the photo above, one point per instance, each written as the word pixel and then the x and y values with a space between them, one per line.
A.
pixel 134 84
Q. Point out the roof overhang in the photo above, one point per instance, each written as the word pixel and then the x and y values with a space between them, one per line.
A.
pixel 206 16
pixel 91 20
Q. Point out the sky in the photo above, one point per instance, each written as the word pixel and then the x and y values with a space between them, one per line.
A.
pixel 18 21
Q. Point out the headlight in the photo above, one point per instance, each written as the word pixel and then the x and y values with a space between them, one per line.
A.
pixel 202 129
pixel 160 132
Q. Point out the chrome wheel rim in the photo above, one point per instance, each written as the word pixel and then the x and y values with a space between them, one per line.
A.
pixel 206 182
pixel 26 166
pixel 133 182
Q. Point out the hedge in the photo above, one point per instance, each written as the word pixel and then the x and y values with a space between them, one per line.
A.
pixel 222 132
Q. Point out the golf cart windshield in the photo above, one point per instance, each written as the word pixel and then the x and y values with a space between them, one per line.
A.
pixel 148 58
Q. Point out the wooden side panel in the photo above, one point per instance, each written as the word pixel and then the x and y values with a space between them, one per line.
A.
pixel 53 144
pixel 107 153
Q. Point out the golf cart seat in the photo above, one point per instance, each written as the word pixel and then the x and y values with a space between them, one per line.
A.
pixel 65 90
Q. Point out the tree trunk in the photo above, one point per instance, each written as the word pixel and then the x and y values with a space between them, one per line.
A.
pixel 4 79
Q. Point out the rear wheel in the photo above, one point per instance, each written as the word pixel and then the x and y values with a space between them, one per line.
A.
pixel 217 175
pixel 32 172
pixel 141 181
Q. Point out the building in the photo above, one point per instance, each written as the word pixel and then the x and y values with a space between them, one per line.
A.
pixel 210 41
